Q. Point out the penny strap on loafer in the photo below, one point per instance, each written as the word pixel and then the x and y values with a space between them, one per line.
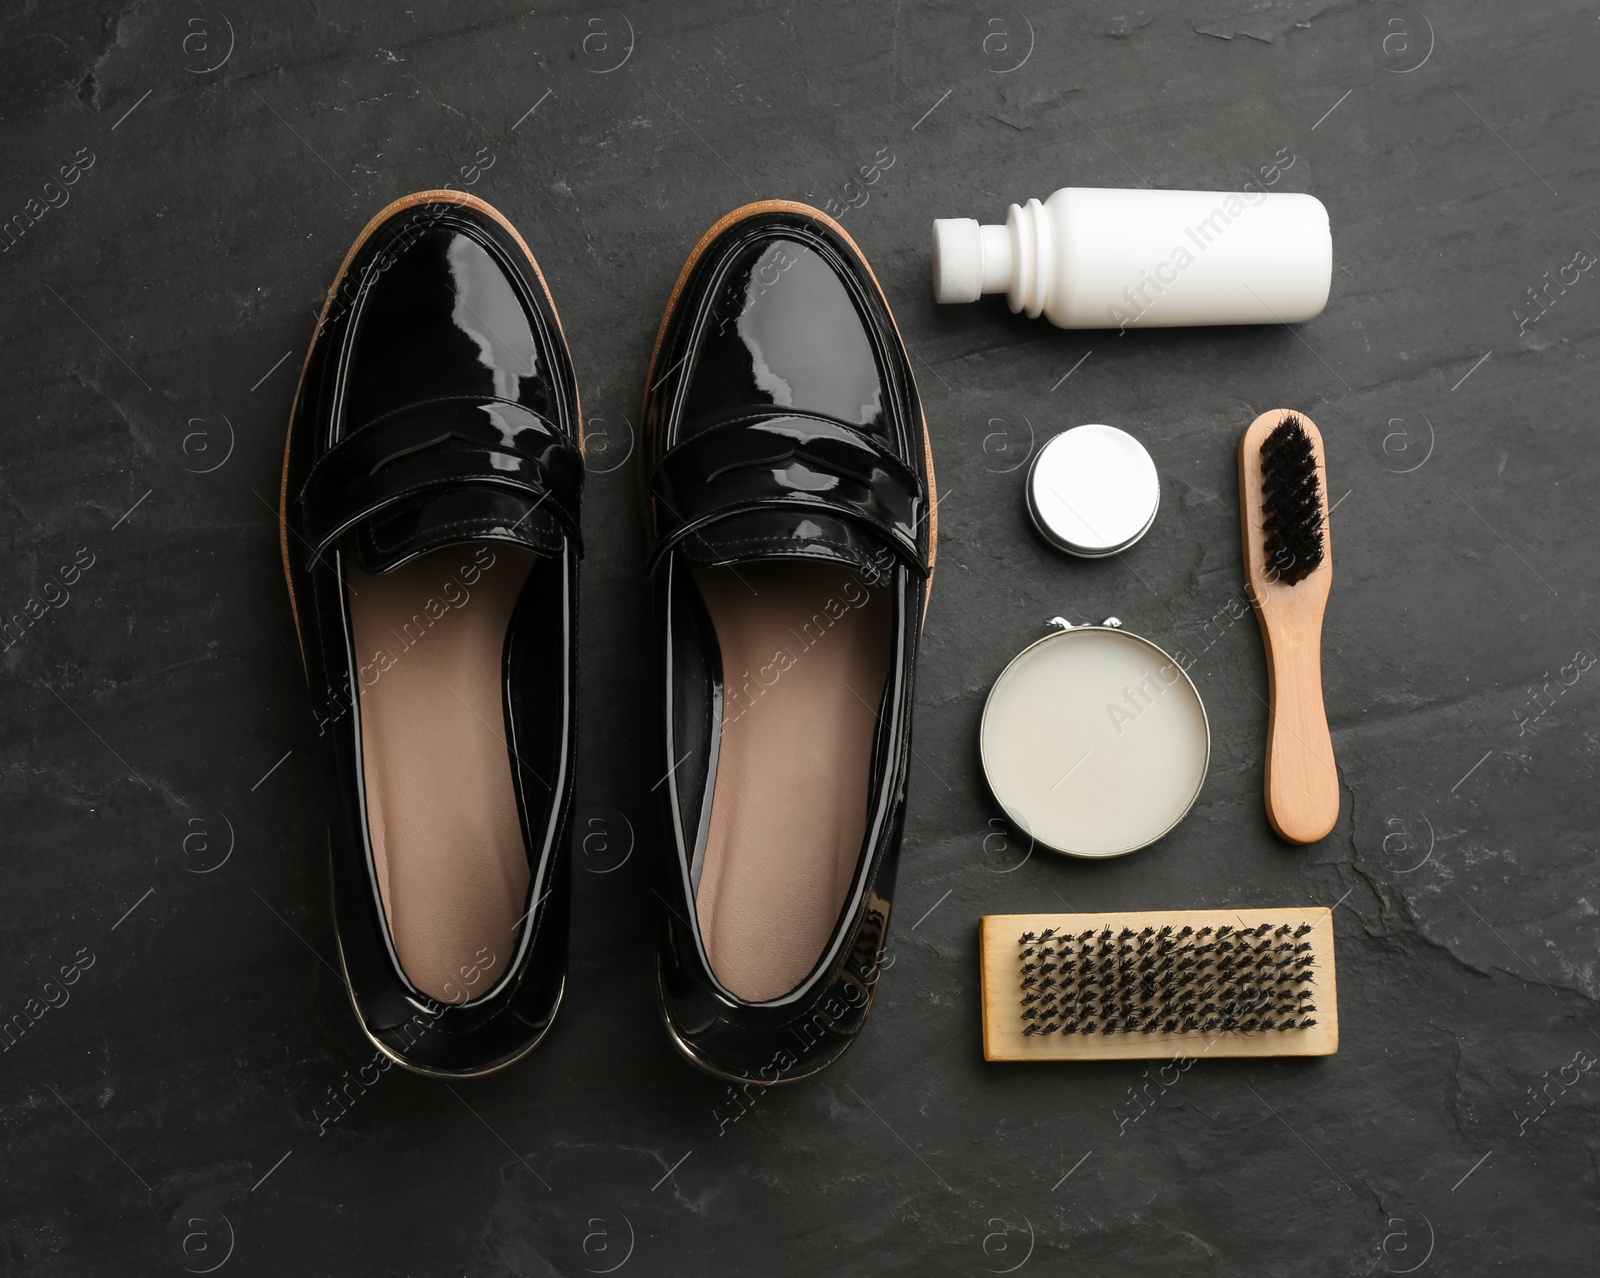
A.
pixel 793 462
pixel 445 471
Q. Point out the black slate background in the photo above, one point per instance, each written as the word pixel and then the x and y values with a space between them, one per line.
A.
pixel 170 1115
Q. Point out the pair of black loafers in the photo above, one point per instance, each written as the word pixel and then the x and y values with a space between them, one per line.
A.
pixel 431 535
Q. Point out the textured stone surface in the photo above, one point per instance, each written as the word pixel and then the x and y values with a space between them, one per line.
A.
pixel 169 1115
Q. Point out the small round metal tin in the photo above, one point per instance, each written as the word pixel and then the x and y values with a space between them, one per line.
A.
pixel 1093 491
pixel 1095 741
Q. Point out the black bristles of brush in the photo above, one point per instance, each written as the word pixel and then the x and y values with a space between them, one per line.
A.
pixel 1291 502
pixel 1162 980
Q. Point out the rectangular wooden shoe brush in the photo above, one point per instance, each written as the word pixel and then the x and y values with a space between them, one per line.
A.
pixel 1283 501
pixel 1060 987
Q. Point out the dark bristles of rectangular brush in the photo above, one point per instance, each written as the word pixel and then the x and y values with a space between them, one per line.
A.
pixel 1129 985
pixel 1177 980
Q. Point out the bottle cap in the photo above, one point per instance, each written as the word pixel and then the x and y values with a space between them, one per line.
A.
pixel 957 260
pixel 1093 491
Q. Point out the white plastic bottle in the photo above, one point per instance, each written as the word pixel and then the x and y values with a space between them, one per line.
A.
pixel 1093 257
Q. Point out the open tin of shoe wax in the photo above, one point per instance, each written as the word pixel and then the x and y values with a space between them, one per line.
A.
pixel 1095 741
pixel 1093 491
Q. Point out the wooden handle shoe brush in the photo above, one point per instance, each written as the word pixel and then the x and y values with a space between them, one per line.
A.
pixel 1283 499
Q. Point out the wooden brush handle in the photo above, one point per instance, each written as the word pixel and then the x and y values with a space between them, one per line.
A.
pixel 1302 782
pixel 1302 785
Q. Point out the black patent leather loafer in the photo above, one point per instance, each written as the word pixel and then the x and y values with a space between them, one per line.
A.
pixel 430 536
pixel 792 519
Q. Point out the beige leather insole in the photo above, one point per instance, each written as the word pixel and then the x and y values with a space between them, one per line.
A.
pixel 805 659
pixel 452 870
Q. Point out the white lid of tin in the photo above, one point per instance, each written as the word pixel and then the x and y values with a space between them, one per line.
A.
pixel 1093 491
